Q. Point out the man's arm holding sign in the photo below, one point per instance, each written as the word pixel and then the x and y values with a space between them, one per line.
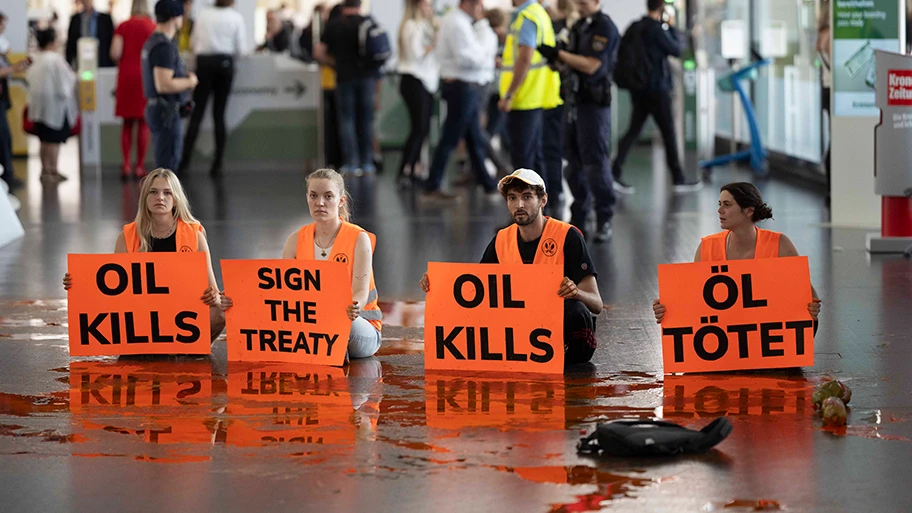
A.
pixel 587 292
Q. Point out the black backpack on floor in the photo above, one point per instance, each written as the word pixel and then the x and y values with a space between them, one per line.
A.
pixel 652 437
pixel 633 69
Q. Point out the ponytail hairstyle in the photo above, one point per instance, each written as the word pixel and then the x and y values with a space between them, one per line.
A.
pixel 748 196
pixel 180 211
pixel 334 177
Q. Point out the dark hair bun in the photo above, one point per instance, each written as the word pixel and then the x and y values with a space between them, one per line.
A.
pixel 762 212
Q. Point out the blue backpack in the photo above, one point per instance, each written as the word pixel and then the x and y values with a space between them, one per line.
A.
pixel 374 44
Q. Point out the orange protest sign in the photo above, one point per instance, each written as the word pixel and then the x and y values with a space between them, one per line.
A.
pixel 138 303
pixel 287 311
pixel 503 318
pixel 458 402
pixel 734 315
pixel 281 403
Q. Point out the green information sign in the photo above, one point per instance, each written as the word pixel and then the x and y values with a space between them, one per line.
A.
pixel 859 28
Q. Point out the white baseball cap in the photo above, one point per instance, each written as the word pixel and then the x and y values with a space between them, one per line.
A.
pixel 526 175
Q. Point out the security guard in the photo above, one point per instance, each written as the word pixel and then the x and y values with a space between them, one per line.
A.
pixel 591 54
pixel 528 86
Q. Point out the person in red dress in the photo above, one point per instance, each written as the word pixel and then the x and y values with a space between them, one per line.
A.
pixel 126 47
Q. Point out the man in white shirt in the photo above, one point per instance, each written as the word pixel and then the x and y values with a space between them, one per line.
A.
pixel 464 69
pixel 218 37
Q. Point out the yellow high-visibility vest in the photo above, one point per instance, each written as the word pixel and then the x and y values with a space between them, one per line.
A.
pixel 541 88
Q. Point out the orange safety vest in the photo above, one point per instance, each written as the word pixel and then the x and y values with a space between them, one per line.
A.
pixel 187 241
pixel 713 248
pixel 550 246
pixel 344 251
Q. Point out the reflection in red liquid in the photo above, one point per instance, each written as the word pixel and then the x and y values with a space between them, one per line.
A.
pixel 609 486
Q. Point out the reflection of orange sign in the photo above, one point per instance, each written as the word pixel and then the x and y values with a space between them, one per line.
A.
pixel 740 314
pixel 147 388
pixel 461 402
pixel 278 403
pixel 138 303
pixel 155 402
pixel 287 311
pixel 503 318
pixel 711 396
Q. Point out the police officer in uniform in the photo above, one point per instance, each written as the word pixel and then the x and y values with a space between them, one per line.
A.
pixel 590 54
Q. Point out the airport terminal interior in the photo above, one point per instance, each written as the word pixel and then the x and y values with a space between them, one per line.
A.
pixel 383 433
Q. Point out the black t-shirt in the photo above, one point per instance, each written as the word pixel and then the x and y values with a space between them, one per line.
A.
pixel 166 245
pixel 343 43
pixel 161 52
pixel 577 262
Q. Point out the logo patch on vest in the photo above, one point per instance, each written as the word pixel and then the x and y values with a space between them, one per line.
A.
pixel 549 247
pixel 599 43
pixel 341 258
pixel 186 249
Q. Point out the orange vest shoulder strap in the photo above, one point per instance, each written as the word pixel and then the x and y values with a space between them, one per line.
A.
pixel 712 248
pixel 131 238
pixel 767 244
pixel 186 239
pixel 551 246
pixel 505 246
pixel 305 248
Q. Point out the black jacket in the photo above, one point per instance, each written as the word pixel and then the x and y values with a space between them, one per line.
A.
pixel 661 43
pixel 105 33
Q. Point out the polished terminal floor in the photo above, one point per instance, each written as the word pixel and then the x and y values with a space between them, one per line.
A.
pixel 199 434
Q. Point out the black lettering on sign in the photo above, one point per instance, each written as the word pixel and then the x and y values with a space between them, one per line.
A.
pixel 742 330
pixel 102 285
pixel 457 291
pixel 86 329
pixel 800 327
pixel 535 338
pixel 493 292
pixel 291 279
pixel 157 337
pixel 193 331
pixel 486 353
pixel 731 291
pixel 446 343
pixel 678 340
pixel 511 354
pixel 767 339
pixel 747 289
pixel 700 347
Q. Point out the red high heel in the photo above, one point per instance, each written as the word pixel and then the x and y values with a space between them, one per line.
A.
pixel 141 172
pixel 125 172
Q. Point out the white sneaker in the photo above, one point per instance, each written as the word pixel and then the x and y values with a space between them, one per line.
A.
pixel 687 187
pixel 622 187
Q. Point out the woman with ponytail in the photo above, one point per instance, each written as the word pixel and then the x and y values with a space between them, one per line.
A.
pixel 332 237
pixel 164 223
pixel 741 207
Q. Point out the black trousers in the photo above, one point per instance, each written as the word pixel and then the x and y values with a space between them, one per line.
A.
pixel 579 332
pixel 825 106
pixel 332 147
pixel 215 73
pixel 657 104
pixel 420 104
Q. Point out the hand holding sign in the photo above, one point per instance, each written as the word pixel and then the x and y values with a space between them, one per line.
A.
pixel 137 303
pixel 353 311
pixel 568 289
pixel 211 297
pixel 493 317
pixel 737 314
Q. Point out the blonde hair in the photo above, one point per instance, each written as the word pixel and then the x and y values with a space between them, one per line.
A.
pixel 140 8
pixel 180 211
pixel 411 13
pixel 334 177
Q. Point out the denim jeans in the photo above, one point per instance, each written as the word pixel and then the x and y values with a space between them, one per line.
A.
pixel 165 124
pixel 364 339
pixel 355 108
pixel 462 121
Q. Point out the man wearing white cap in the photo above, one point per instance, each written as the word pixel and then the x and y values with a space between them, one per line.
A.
pixel 536 239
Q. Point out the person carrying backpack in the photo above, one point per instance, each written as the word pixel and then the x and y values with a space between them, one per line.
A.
pixel 356 47
pixel 642 69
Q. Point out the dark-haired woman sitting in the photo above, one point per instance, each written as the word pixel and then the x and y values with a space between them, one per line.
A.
pixel 740 208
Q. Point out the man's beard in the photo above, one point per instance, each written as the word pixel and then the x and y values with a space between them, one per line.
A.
pixel 530 218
